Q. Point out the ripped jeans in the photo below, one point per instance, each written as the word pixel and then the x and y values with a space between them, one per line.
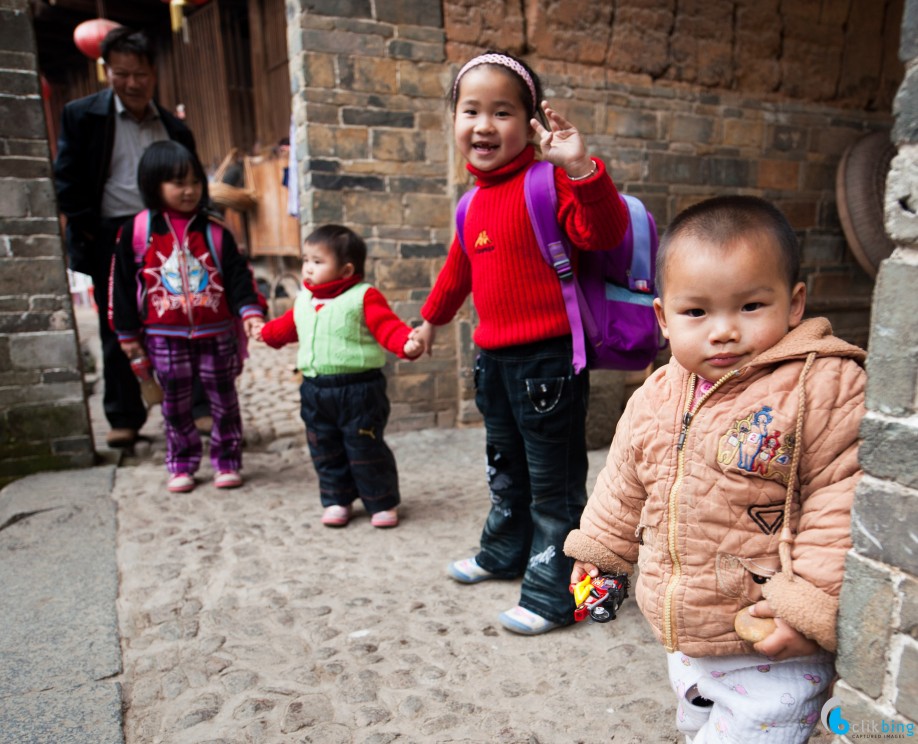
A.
pixel 534 410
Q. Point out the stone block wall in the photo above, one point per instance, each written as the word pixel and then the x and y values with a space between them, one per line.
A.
pixel 367 82
pixel 878 626
pixel 44 422
pixel 681 100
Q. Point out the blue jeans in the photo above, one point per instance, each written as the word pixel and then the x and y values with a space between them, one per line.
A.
pixel 534 409
pixel 346 417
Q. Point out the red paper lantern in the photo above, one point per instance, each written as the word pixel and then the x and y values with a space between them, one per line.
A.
pixel 88 38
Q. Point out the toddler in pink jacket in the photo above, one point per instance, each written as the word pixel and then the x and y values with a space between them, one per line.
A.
pixel 730 479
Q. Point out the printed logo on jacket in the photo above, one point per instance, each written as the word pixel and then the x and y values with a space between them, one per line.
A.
pixel 752 445
pixel 183 281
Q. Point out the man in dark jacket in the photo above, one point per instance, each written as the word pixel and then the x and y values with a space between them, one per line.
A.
pixel 102 138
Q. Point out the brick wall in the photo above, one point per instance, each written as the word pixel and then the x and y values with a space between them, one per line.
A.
pixel 681 101
pixel 44 422
pixel 878 623
pixel 372 147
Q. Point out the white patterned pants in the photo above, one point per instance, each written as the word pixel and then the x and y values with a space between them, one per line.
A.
pixel 753 699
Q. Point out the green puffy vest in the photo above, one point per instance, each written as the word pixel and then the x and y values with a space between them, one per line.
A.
pixel 335 340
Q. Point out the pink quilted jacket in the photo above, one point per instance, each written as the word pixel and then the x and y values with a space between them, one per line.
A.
pixel 703 522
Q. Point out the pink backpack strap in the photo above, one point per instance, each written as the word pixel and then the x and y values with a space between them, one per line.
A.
pixel 141 236
pixel 140 239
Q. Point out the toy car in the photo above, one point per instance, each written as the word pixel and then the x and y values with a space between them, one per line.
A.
pixel 599 598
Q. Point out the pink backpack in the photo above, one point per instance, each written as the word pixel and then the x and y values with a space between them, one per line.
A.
pixel 609 302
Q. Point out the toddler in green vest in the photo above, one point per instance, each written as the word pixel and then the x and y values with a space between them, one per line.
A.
pixel 343 326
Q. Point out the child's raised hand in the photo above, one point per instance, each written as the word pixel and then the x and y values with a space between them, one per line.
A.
pixel 581 569
pixel 562 145
pixel 785 641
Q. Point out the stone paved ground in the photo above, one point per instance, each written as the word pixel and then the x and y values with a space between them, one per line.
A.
pixel 244 620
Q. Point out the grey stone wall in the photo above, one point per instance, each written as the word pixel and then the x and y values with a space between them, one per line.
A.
pixel 878 624
pixel 678 105
pixel 44 422
pixel 367 82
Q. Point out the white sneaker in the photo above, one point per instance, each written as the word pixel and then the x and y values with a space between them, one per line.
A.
pixel 525 622
pixel 336 516
pixel 467 571
pixel 180 483
pixel 227 479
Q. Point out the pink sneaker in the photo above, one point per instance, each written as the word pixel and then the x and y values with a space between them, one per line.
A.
pixel 227 479
pixel 180 483
pixel 336 516
pixel 387 518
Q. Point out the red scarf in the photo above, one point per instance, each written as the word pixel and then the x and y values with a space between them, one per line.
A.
pixel 331 289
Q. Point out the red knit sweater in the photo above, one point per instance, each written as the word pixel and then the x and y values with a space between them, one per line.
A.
pixel 516 293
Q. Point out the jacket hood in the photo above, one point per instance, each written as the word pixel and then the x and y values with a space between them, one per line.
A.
pixel 812 335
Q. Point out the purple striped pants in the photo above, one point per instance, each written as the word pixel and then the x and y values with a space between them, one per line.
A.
pixel 216 362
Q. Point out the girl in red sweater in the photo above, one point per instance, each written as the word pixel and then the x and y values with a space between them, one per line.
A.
pixel 533 404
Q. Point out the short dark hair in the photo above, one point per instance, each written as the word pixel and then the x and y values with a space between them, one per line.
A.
pixel 347 245
pixel 124 40
pixel 165 161
pixel 722 219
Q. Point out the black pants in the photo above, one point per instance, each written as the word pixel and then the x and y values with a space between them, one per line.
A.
pixel 346 417
pixel 124 408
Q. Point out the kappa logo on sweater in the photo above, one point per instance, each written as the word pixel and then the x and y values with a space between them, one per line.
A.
pixel 483 243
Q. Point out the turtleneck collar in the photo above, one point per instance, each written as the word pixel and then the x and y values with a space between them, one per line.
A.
pixel 333 288
pixel 499 175
pixel 174 214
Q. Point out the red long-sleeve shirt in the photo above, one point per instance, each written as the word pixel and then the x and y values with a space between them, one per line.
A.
pixel 516 293
pixel 385 326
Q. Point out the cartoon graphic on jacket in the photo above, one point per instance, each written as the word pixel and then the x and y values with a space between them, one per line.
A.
pixel 697 498
pixel 181 288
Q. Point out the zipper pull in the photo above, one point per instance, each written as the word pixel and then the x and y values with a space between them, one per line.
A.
pixel 686 420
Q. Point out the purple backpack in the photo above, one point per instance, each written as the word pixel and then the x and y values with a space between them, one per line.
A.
pixel 610 301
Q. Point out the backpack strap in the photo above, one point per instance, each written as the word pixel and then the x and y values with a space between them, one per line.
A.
pixel 542 204
pixel 214 232
pixel 141 235
pixel 462 209
pixel 640 278
pixel 140 239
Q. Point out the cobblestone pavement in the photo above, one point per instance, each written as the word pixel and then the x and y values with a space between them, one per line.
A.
pixel 243 620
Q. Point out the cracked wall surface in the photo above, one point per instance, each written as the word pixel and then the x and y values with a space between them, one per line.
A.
pixel 836 51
